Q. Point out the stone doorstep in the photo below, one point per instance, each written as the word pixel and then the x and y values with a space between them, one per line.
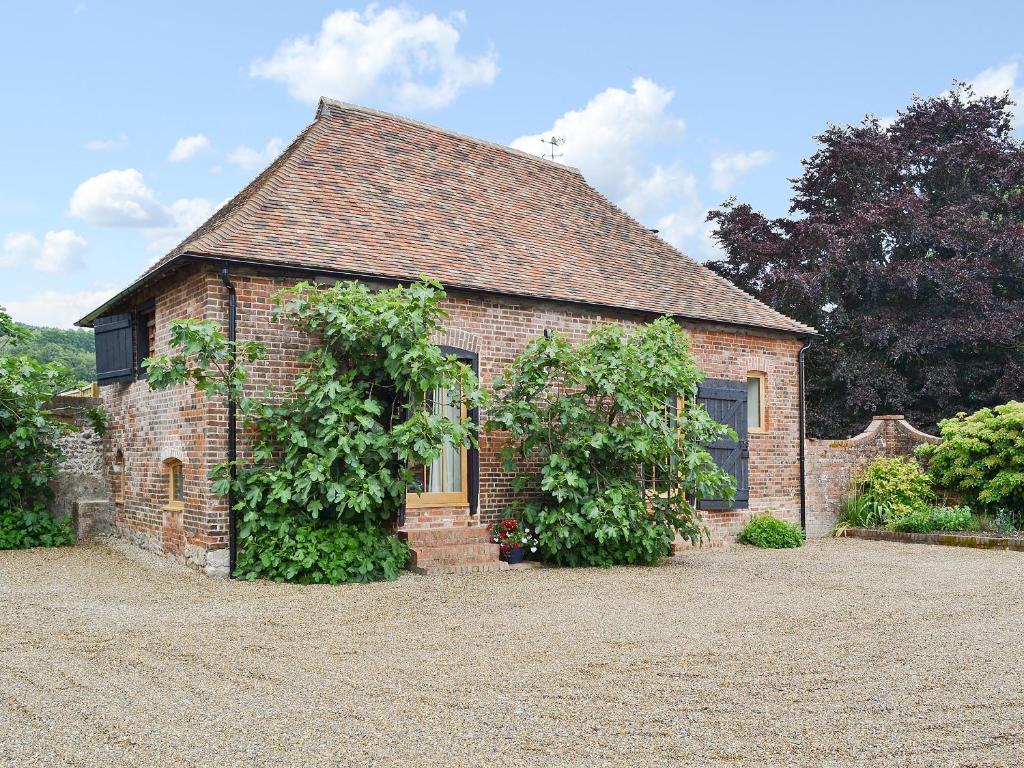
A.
pixel 947 539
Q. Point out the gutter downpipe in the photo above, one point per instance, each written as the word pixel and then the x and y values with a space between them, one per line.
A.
pixel 232 436
pixel 803 439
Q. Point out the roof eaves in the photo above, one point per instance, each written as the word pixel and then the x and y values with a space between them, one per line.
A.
pixel 793 327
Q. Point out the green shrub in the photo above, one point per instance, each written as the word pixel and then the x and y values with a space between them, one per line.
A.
pixel 891 493
pixel 896 482
pixel 910 519
pixel 952 519
pixel 29 447
pixel 36 527
pixel 927 519
pixel 981 457
pixel 769 532
pixel 859 511
pixel 330 554
pixel 597 444
pixel 617 528
pixel 1000 523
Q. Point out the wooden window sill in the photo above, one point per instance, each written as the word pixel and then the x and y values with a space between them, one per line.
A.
pixel 434 500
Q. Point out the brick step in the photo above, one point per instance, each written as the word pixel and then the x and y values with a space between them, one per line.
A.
pixel 454 554
pixel 439 537
pixel 489 566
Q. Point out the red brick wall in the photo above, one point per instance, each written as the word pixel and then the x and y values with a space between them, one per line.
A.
pixel 831 465
pixel 150 427
pixel 496 328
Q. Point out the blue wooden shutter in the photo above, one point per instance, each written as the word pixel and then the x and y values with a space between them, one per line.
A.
pixel 113 348
pixel 726 401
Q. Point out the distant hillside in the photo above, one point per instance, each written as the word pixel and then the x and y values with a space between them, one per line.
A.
pixel 76 349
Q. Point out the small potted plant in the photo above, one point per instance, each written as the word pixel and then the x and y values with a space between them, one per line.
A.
pixel 513 539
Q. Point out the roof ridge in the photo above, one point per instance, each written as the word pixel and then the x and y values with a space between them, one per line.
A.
pixel 348 106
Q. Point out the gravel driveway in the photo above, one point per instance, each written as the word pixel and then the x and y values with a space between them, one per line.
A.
pixel 845 652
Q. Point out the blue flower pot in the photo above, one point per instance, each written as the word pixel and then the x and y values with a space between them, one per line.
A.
pixel 514 556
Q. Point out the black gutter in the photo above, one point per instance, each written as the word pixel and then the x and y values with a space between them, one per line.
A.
pixel 232 432
pixel 313 272
pixel 803 439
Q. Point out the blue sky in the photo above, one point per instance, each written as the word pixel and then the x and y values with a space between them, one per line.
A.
pixel 126 123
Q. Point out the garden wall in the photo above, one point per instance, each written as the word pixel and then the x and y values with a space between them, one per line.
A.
pixel 832 463
pixel 81 488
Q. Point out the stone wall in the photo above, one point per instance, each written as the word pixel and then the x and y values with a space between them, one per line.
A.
pixel 81 488
pixel 831 464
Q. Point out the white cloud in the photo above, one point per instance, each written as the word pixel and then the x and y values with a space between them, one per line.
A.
pixel 59 251
pixel 611 139
pixel 187 147
pixel 395 56
pixel 118 199
pixel 57 309
pixel 186 215
pixel 727 167
pixel 250 159
pixel 995 81
pixel 605 139
pixel 102 145
pixel 19 248
pixel 122 199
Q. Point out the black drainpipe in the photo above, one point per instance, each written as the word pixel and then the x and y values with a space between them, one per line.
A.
pixel 232 437
pixel 803 439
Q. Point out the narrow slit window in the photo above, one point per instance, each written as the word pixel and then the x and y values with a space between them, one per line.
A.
pixel 175 483
pixel 755 402
pixel 120 477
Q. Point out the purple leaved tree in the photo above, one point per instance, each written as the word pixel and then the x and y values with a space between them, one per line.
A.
pixel 905 248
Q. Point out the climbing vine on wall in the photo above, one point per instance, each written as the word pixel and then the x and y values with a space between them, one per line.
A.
pixel 332 458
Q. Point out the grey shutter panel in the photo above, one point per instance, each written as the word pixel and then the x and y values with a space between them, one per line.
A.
pixel 113 348
pixel 726 401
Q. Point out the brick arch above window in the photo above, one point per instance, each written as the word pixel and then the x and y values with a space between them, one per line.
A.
pixel 457 338
pixel 173 451
pixel 757 364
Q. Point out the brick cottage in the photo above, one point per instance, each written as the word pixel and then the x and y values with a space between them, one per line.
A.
pixel 521 244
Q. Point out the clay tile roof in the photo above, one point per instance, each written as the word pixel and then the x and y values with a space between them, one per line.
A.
pixel 373 194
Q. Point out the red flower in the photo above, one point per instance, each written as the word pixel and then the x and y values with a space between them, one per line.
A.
pixel 509 525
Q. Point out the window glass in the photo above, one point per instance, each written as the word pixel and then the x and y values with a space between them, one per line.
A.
pixel 754 395
pixel 151 334
pixel 176 491
pixel 444 474
pixel 120 477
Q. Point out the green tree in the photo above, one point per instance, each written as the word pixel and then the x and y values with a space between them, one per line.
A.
pixel 609 465
pixel 29 432
pixel 75 349
pixel 904 250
